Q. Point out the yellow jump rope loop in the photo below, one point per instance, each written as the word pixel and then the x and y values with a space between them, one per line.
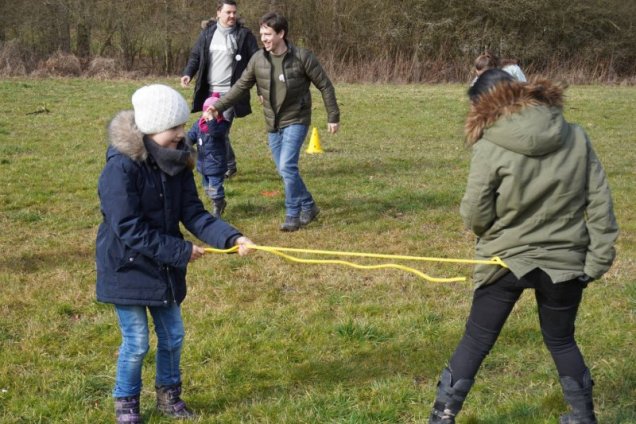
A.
pixel 279 252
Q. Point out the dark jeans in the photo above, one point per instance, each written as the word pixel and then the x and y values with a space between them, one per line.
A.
pixel 557 305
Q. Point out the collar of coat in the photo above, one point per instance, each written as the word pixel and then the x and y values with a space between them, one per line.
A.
pixel 508 98
pixel 291 50
pixel 126 138
pixel 214 23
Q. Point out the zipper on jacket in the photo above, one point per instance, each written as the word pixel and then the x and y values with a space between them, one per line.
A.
pixel 170 284
pixel 271 78
pixel 163 179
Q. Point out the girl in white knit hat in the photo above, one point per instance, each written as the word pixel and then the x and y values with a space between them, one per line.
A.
pixel 146 189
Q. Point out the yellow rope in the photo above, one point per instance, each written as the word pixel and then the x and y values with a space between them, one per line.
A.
pixel 279 251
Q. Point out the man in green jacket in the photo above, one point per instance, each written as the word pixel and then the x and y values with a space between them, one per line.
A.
pixel 282 73
pixel 538 198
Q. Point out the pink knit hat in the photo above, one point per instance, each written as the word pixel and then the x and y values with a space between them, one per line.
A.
pixel 203 125
pixel 210 101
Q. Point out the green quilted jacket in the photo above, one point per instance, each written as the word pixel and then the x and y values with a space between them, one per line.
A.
pixel 301 67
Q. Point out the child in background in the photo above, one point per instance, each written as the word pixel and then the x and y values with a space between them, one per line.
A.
pixel 209 135
pixel 146 190
pixel 488 60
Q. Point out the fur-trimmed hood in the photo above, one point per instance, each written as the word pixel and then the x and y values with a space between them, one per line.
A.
pixel 125 137
pixel 522 117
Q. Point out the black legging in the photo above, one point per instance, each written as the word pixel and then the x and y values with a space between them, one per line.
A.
pixel 557 305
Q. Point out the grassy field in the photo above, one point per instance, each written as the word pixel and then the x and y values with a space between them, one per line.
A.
pixel 269 341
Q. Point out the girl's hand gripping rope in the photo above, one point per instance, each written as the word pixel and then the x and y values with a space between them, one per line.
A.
pixel 244 245
pixel 197 252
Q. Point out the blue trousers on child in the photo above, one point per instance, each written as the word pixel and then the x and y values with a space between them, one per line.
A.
pixel 213 186
pixel 133 323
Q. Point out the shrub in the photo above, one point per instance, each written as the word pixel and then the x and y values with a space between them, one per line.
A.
pixel 60 64
pixel 14 59
pixel 102 68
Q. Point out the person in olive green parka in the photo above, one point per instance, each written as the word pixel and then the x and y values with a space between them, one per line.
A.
pixel 538 198
pixel 537 195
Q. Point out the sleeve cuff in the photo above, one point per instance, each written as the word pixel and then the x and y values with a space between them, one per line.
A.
pixel 232 240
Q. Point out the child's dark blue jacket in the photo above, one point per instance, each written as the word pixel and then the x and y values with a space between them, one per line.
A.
pixel 211 149
pixel 141 255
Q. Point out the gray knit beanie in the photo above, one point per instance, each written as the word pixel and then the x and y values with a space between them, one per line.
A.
pixel 159 108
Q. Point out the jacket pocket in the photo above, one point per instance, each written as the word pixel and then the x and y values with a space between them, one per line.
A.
pixel 136 264
pixel 213 159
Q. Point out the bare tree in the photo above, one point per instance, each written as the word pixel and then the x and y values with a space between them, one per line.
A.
pixel 410 40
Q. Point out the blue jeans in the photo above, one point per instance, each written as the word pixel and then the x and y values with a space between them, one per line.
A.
pixel 285 145
pixel 133 323
pixel 213 186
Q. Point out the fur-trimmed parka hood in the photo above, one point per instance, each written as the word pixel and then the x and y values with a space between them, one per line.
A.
pixel 125 137
pixel 525 118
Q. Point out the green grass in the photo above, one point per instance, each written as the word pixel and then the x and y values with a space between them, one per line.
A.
pixel 269 341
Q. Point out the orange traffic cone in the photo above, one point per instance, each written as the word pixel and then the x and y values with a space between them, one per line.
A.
pixel 314 143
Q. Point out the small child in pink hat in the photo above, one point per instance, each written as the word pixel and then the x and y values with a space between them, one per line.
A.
pixel 209 133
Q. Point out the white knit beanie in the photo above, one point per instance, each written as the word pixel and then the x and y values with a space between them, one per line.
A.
pixel 159 108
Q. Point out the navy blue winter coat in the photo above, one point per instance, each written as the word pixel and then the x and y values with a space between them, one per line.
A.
pixel 141 255
pixel 211 149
